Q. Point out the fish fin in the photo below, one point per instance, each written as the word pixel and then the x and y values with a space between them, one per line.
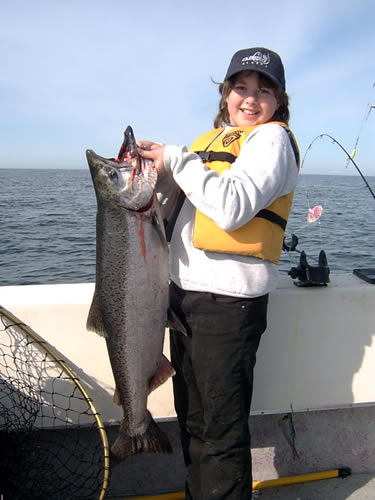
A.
pixel 152 441
pixel 95 319
pixel 163 373
pixel 174 323
pixel 116 397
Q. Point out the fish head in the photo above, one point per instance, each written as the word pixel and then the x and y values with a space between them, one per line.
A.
pixel 128 181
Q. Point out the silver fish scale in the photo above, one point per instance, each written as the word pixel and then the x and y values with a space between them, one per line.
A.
pixel 133 290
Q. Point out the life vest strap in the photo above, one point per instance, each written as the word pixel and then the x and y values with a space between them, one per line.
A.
pixel 230 158
pixel 294 146
pixel 216 156
pixel 272 217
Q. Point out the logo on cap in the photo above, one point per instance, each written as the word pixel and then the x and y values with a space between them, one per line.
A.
pixel 258 58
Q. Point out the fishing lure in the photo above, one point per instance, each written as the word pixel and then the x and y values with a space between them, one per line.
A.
pixel 314 213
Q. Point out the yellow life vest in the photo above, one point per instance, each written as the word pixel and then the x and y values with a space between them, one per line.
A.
pixel 263 235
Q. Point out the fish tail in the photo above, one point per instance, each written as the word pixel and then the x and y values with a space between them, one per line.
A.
pixel 154 440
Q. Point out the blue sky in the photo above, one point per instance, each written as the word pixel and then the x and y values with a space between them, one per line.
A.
pixel 74 73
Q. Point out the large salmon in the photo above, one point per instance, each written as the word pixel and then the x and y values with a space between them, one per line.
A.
pixel 130 303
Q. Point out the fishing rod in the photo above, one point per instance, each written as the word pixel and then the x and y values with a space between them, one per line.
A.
pixel 349 156
pixel 319 275
pixel 365 118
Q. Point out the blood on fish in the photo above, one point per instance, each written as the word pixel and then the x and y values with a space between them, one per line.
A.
pixel 141 227
pixel 134 176
pixel 142 218
pixel 125 155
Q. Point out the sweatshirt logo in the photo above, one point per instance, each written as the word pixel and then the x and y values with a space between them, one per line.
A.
pixel 259 58
pixel 231 137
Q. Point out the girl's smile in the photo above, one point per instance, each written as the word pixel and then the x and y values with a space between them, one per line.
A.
pixel 249 102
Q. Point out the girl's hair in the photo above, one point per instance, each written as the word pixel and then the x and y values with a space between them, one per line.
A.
pixel 281 114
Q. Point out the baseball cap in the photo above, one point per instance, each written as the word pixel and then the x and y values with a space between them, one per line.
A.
pixel 258 59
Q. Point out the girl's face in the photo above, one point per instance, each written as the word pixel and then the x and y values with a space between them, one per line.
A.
pixel 249 102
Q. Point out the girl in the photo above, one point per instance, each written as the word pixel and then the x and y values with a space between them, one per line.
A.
pixel 226 202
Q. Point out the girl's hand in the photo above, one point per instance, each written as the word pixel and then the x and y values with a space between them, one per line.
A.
pixel 153 151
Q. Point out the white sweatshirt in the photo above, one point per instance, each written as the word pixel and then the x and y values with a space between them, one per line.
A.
pixel 265 170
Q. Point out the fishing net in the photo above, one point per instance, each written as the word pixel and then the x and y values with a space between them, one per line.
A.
pixel 52 441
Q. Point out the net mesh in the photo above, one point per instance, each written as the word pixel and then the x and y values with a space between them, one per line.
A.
pixel 51 444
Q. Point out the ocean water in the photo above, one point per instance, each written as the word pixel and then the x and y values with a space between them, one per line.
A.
pixel 47 225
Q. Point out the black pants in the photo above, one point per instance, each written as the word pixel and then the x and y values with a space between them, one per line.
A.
pixel 213 387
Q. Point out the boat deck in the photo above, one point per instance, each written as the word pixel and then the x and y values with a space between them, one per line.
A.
pixel 315 368
pixel 358 486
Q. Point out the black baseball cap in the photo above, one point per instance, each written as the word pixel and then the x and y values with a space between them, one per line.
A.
pixel 258 59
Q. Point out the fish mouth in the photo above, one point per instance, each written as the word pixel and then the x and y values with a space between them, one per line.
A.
pixel 95 159
pixel 128 152
pixel 127 158
pixel 128 180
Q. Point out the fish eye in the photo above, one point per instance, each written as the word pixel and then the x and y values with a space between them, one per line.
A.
pixel 111 173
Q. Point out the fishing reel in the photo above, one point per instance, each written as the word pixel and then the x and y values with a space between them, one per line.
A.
pixel 304 273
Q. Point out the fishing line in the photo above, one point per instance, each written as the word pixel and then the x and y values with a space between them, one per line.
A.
pixel 314 213
pixel 369 107
pixel 322 204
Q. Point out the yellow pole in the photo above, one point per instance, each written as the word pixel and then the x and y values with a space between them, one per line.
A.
pixel 301 478
pixel 271 483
